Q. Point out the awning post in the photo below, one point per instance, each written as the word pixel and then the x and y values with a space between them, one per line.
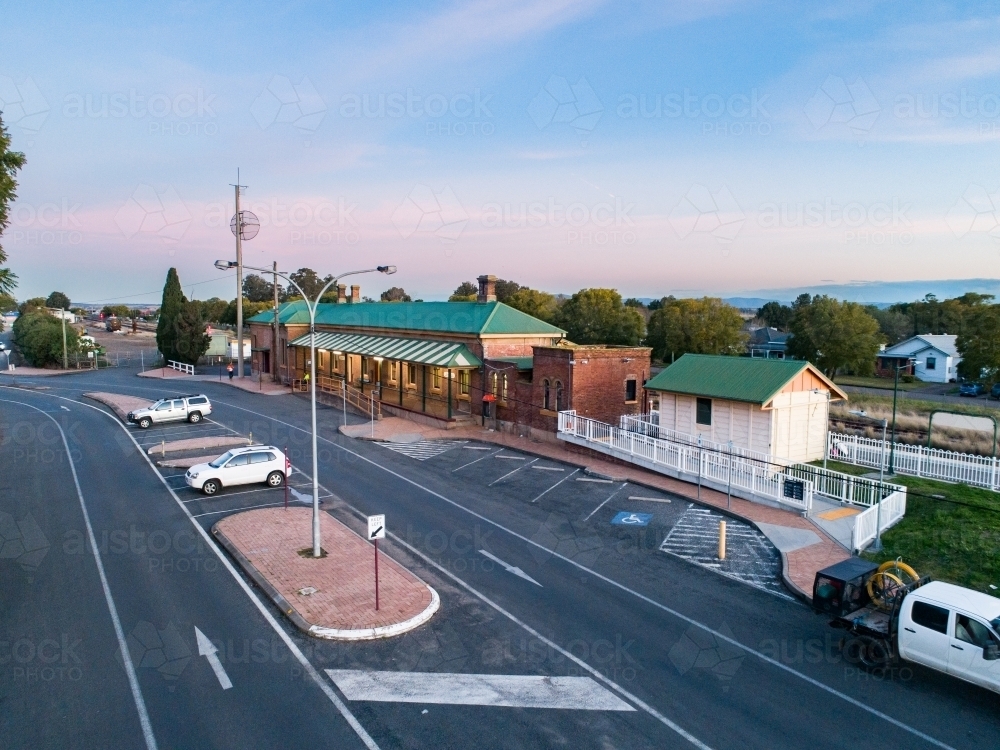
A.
pixel 449 394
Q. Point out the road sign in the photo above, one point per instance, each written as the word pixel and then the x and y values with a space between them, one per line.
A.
pixel 376 527
pixel 625 518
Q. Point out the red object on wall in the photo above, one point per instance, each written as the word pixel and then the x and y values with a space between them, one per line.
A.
pixel 489 397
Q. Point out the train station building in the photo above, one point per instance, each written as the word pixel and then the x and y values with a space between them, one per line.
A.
pixel 450 363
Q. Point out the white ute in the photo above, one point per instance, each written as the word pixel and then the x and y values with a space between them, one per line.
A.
pixel 176 409
pixel 251 465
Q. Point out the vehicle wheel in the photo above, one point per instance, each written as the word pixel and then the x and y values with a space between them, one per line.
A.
pixel 853 649
pixel 145 423
pixel 275 479
pixel 875 654
pixel 194 417
pixel 211 487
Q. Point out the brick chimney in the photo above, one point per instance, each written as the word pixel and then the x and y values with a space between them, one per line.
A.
pixel 341 293
pixel 355 292
pixel 487 289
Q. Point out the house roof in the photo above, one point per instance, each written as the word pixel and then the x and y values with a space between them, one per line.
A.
pixel 484 319
pixel 765 336
pixel 754 380
pixel 420 351
pixel 944 343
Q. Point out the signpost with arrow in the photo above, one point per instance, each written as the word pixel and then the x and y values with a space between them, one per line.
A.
pixel 376 531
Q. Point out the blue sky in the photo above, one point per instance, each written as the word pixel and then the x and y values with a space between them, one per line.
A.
pixel 656 148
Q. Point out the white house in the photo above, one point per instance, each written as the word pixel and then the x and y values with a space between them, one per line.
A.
pixel 935 355
pixel 774 406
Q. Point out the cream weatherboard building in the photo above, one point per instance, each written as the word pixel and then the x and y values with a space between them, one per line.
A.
pixel 772 406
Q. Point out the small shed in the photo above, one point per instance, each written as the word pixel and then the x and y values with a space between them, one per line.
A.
pixel 775 406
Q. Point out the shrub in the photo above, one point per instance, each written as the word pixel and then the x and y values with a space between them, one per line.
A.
pixel 39 337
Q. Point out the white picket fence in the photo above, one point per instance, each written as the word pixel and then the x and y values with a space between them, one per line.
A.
pixel 916 460
pixel 748 478
pixel 181 367
pixel 867 523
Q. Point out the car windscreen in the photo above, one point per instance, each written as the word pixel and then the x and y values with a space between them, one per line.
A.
pixel 221 460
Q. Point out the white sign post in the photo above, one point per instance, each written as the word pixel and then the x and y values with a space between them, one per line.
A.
pixel 376 531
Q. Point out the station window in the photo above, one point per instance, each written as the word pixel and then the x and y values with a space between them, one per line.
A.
pixel 463 382
pixel 411 375
pixel 559 396
pixel 546 398
pixel 503 388
pixel 436 378
pixel 630 390
pixel 703 414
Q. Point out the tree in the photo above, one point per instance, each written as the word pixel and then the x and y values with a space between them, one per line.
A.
pixel 466 292
pixel 10 163
pixel 776 315
pixel 835 335
pixel 309 281
pixel 504 290
pixel 39 338
pixel 190 340
pixel 116 311
pixel 214 309
pixel 228 317
pixel 541 305
pixel 58 301
pixel 7 302
pixel 170 309
pixel 258 289
pixel 395 294
pixel 35 303
pixel 894 325
pixel 597 316
pixel 979 344
pixel 699 326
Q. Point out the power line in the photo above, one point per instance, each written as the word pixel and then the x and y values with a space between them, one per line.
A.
pixel 155 291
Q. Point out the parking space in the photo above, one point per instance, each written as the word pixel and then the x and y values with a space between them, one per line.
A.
pixel 170 431
pixel 623 525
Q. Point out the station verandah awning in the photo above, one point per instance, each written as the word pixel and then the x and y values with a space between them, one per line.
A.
pixel 445 354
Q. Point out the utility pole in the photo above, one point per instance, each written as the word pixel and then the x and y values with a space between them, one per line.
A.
pixel 274 339
pixel 239 279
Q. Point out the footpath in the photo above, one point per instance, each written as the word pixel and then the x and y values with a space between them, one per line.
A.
pixel 804 547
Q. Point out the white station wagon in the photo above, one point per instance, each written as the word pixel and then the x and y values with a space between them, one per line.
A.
pixel 251 465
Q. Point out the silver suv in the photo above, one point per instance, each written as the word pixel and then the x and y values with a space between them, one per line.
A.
pixel 177 409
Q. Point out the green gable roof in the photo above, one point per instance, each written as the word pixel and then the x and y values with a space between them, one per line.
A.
pixel 751 379
pixel 490 318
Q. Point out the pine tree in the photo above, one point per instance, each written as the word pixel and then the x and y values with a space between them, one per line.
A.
pixel 170 309
pixel 190 341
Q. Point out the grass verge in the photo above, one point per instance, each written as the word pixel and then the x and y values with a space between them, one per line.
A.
pixel 953 537
pixel 885 383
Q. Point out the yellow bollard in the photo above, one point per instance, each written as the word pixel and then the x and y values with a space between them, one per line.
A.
pixel 722 540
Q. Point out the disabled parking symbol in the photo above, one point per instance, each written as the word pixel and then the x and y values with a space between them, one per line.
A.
pixel 625 518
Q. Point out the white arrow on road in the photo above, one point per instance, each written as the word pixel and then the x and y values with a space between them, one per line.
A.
pixel 207 649
pixel 508 567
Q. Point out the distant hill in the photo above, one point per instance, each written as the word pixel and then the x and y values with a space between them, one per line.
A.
pixel 881 293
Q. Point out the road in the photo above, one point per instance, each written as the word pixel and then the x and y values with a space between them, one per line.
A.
pixel 701 659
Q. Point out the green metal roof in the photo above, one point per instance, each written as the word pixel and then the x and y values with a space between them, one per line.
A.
pixel 521 363
pixel 752 379
pixel 420 351
pixel 483 318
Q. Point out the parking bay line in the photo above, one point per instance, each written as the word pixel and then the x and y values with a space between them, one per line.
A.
pixel 236 510
pixel 650 499
pixel 731 640
pixel 548 468
pixel 555 485
pixel 624 485
pixel 511 472
pixel 472 462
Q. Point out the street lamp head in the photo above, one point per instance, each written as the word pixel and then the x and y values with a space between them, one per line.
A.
pixel 225 265
pixel 387 270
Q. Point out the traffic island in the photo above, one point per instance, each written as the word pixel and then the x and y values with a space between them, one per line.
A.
pixel 332 596
pixel 119 404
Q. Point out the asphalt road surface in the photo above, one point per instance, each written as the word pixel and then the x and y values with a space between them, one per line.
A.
pixel 553 587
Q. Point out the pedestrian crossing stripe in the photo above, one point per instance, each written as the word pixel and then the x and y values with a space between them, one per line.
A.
pixel 423 449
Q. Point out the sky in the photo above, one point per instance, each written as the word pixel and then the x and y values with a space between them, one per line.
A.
pixel 658 148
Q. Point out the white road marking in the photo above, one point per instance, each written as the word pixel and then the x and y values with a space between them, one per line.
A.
pixel 548 468
pixel 300 496
pixel 64 408
pixel 470 462
pixel 606 501
pixel 513 458
pixel 140 703
pixel 515 691
pixel 555 485
pixel 236 510
pixel 650 499
pixel 593 479
pixel 477 448
pixel 777 664
pixel 207 649
pixel 314 675
pixel 511 472
pixel 421 450
pixel 509 568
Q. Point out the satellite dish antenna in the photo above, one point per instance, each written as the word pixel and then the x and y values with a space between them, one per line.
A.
pixel 249 225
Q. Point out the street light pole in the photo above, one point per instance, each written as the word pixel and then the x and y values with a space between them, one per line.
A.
pixel 239 284
pixel 225 265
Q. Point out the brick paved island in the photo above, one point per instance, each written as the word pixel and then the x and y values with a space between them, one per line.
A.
pixel 334 596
